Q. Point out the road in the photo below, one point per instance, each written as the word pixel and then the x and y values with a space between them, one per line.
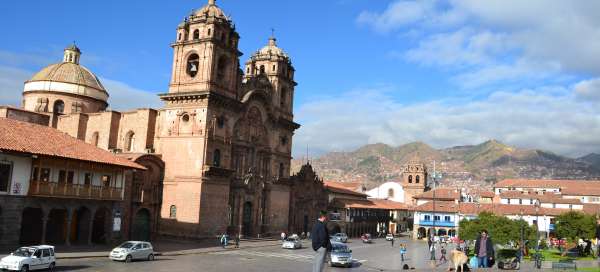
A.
pixel 379 256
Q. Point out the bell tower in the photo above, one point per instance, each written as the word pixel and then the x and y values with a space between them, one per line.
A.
pixel 273 63
pixel 206 56
pixel 414 180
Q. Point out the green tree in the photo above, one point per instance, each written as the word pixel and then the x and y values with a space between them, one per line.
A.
pixel 502 230
pixel 574 225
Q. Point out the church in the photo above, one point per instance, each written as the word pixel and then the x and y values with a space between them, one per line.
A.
pixel 217 153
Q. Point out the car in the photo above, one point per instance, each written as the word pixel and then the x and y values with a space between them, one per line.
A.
pixel 340 255
pixel 132 250
pixel 389 237
pixel 366 238
pixel 29 258
pixel 508 259
pixel 339 237
pixel 291 243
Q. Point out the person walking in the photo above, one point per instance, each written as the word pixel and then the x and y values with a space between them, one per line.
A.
pixel 484 249
pixel 237 241
pixel 402 252
pixel 392 241
pixel 282 236
pixel 443 253
pixel 224 240
pixel 320 242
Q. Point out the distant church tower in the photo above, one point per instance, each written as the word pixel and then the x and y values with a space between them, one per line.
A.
pixel 414 180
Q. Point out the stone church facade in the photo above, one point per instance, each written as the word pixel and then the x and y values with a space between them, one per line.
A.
pixel 218 153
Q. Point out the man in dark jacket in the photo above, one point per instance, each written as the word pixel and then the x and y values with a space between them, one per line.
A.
pixel 320 242
pixel 484 249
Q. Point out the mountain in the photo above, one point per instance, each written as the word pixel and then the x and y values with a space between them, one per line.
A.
pixel 471 165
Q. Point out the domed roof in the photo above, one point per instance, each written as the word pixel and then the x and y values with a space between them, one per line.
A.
pixel 271 50
pixel 210 10
pixel 68 72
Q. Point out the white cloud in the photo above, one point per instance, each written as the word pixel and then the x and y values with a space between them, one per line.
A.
pixel 517 39
pixel 588 89
pixel 11 85
pixel 125 97
pixel 549 118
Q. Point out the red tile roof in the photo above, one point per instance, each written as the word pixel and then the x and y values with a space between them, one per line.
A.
pixel 23 137
pixel 343 188
pixel 567 187
pixel 380 204
pixel 500 209
pixel 440 193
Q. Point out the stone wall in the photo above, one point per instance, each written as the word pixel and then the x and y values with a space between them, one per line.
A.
pixel 11 208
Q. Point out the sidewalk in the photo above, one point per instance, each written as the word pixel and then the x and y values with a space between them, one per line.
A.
pixel 161 247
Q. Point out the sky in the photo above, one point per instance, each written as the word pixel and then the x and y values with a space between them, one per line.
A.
pixel 447 73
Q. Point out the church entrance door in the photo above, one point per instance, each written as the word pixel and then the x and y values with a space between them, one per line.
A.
pixel 247 219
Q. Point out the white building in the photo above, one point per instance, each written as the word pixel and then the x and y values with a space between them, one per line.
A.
pixel 390 190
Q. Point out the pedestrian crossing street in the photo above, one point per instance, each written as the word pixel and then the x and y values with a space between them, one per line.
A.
pixel 249 253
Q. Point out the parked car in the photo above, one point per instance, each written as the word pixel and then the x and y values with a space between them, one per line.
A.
pixel 366 238
pixel 339 237
pixel 389 237
pixel 132 250
pixel 29 258
pixel 291 243
pixel 508 259
pixel 340 255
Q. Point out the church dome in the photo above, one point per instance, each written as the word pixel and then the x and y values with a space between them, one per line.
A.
pixel 68 77
pixel 270 51
pixel 210 10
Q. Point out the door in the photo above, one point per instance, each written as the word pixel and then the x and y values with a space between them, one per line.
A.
pixel 36 260
pixel 141 226
pixel 137 251
pixel 247 220
pixel 45 258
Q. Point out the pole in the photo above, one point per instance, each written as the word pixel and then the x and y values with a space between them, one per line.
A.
pixel 432 233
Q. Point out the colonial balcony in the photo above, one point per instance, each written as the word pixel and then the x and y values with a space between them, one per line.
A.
pixel 68 190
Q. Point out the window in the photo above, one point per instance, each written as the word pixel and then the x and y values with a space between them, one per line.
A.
pixel 179 37
pixel 410 179
pixel 62 176
pixel 417 179
pixel 390 193
pixel 436 218
pixel 76 106
pixel 273 69
pixel 208 32
pixel 283 140
pixel 45 253
pixel 95 137
pixel 38 253
pixel 5 176
pixel 197 34
pixel 531 201
pixel 447 218
pixel 427 218
pixel 105 181
pixel 59 106
pixel 217 158
pixel 520 201
pixel 185 118
pixel 247 70
pixel 70 177
pixel 129 141
pixel 262 69
pixel 192 65
pixel 118 183
pixel 553 205
pixel 87 178
pixel 173 212
pixel 221 121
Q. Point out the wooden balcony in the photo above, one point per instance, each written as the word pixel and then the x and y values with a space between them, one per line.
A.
pixel 66 190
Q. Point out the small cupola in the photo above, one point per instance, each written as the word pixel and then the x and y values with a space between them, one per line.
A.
pixel 72 54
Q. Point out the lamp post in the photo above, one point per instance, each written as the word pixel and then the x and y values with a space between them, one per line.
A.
pixel 434 177
pixel 537 245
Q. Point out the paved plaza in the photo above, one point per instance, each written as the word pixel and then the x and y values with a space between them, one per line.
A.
pixel 378 256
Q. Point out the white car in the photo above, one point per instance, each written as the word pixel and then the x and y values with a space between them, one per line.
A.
pixel 292 243
pixel 132 250
pixel 389 237
pixel 29 258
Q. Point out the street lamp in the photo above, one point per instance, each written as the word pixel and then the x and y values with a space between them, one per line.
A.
pixel 537 245
pixel 434 177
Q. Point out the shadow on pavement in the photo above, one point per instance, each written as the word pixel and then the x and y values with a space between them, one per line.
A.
pixel 71 267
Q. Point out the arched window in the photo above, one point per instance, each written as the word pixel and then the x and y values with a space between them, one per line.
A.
pixel 282 98
pixel 185 118
pixel 417 179
pixel 59 106
pixel 179 37
pixel 410 179
pixel 222 68
pixel 173 212
pixel 208 32
pixel 262 69
pixel 217 158
pixel 196 34
pixel 390 193
pixel 281 169
pixel 95 137
pixel 248 70
pixel 129 141
pixel 192 65
pixel 273 68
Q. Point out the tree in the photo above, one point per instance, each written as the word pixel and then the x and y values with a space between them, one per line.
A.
pixel 574 225
pixel 502 230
